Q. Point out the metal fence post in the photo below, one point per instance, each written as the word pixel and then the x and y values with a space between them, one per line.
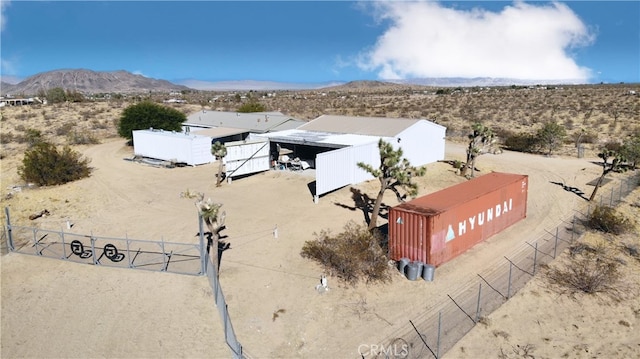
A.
pixel 225 318
pixel 35 241
pixel 9 234
pixel 64 250
pixel 203 249
pixel 620 190
pixel 478 305
pixel 438 342
pixel 573 227
pixel 535 258
pixel 128 252
pixel 93 249
pixel 164 256
pixel 611 200
pixel 509 285
pixel 555 246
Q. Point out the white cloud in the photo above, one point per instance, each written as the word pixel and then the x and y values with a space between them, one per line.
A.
pixel 3 19
pixel 522 41
pixel 138 72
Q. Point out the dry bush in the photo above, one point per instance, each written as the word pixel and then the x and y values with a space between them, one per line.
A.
pixel 81 138
pixel 352 255
pixel 589 270
pixel 607 219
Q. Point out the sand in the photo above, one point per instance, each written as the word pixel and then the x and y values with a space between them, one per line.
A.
pixel 52 308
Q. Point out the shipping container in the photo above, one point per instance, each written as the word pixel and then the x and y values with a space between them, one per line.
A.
pixel 440 226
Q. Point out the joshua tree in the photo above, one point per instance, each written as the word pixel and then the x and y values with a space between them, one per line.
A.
pixel 213 218
pixel 394 171
pixel 480 140
pixel 219 150
pixel 617 159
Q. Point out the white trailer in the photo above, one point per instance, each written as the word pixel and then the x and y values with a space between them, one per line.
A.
pixel 178 147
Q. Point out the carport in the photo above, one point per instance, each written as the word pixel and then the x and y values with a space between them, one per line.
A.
pixel 333 156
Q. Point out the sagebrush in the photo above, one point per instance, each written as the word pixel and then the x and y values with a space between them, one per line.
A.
pixel 590 269
pixel 352 255
pixel 607 219
pixel 45 165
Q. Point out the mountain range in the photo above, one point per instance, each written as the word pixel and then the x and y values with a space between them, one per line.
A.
pixel 88 81
pixel 92 82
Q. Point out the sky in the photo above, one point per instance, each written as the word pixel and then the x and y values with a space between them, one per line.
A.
pixel 202 42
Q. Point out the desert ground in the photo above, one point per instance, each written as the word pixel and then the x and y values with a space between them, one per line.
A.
pixel 52 308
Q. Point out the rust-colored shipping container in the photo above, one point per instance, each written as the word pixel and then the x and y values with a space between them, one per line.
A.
pixel 439 226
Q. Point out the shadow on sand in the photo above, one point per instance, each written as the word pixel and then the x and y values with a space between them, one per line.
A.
pixel 361 201
pixel 574 190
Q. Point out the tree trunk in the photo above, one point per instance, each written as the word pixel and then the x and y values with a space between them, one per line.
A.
pixel 376 209
pixel 473 167
pixel 219 180
pixel 598 184
pixel 213 249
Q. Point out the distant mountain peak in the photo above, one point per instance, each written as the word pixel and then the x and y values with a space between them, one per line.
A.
pixel 89 81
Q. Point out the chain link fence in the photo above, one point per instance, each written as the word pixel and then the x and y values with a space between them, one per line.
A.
pixel 162 256
pixel 433 333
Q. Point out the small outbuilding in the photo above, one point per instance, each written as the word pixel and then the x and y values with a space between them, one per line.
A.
pixel 177 147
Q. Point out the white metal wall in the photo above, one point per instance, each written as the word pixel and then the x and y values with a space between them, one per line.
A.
pixel 167 146
pixel 422 143
pixel 245 157
pixel 338 168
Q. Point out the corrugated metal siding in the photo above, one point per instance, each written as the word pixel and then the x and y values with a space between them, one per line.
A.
pixel 484 207
pixel 169 146
pixel 410 234
pixel 338 168
pixel 245 157
pixel 422 143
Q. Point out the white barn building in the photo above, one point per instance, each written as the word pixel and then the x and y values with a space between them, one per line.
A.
pixel 335 144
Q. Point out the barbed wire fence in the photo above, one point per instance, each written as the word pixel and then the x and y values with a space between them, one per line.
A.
pixel 436 331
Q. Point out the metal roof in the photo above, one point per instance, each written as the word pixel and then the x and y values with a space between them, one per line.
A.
pixel 164 133
pixel 368 126
pixel 257 122
pixel 445 199
pixel 321 139
pixel 217 132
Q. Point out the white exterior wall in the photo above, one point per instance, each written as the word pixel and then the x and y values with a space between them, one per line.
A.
pixel 338 168
pixel 244 157
pixel 169 146
pixel 422 143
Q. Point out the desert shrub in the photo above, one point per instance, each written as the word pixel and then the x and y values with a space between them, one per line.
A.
pixel 252 106
pixel 30 136
pixel 145 115
pixel 521 142
pixel 99 125
pixel 81 138
pixel 6 137
pixel 352 255
pixel 607 219
pixel 613 146
pixel 44 165
pixel 589 271
pixel 65 129
pixel 585 137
